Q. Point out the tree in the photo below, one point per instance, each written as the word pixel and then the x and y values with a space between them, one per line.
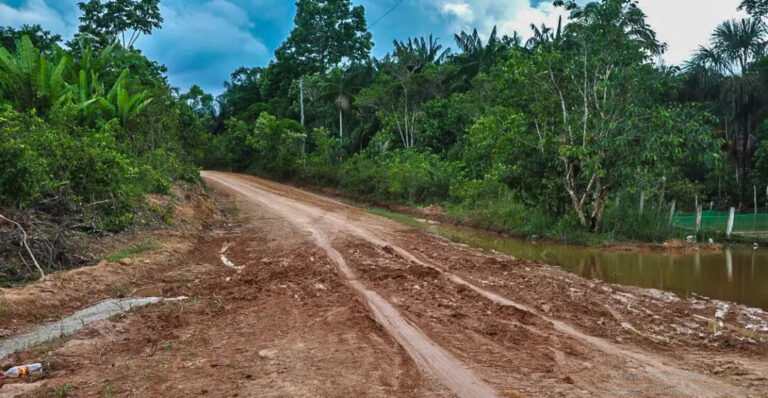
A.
pixel 758 8
pixel 278 145
pixel 477 57
pixel 728 68
pixel 340 87
pixel 199 101
pixel 325 34
pixel 419 51
pixel 111 20
pixel 595 100
pixel 242 91
pixel 42 39
pixel 405 82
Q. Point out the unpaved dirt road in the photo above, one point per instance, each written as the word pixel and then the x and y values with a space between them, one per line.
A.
pixel 363 247
pixel 303 296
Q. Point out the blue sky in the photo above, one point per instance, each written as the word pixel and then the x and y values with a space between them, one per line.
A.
pixel 203 41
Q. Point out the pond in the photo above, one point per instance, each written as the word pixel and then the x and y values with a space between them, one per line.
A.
pixel 738 274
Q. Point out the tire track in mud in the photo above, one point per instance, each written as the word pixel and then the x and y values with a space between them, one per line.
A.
pixel 426 354
pixel 680 381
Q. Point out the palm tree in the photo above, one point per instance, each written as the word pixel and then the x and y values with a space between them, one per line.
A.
pixel 340 86
pixel 418 52
pixel 624 14
pixel 477 57
pixel 728 68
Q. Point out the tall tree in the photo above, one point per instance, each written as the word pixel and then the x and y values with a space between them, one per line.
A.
pixel 727 69
pixel 594 100
pixel 758 8
pixel 477 56
pixel 420 51
pixel 121 20
pixel 340 87
pixel 326 33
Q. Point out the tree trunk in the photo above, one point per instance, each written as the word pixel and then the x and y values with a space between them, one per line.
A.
pixel 341 126
pixel 570 187
pixel 601 198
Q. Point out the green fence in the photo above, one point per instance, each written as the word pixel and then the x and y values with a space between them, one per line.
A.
pixel 717 221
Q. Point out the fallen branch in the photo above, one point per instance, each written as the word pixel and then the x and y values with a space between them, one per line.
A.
pixel 24 240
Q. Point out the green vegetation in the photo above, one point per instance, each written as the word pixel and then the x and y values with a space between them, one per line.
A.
pixel 86 130
pixel 405 219
pixel 558 136
pixel 146 244
pixel 63 391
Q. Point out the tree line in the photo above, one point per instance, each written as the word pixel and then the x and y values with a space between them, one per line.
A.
pixel 556 134
pixel 540 135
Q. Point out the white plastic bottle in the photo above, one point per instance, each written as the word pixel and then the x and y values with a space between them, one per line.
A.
pixel 23 370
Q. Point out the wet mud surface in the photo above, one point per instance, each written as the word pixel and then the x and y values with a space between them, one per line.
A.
pixel 318 298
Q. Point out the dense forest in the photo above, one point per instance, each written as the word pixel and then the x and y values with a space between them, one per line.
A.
pixel 558 133
pixel 540 136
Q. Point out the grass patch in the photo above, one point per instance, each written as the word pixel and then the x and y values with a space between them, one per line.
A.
pixel 63 391
pixel 145 245
pixel 405 219
pixel 118 290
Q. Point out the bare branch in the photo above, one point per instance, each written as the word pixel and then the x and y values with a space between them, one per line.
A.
pixel 24 240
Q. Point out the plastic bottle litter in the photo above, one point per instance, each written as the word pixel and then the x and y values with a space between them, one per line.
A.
pixel 21 371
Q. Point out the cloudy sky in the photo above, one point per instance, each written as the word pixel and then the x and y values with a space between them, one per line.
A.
pixel 203 41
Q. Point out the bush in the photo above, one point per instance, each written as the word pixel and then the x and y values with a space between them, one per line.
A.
pixel 402 176
pixel 41 160
pixel 625 221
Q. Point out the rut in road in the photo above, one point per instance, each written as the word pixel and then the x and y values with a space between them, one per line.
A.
pixel 426 354
pixel 679 380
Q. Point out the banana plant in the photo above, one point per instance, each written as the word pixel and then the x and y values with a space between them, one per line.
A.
pixel 120 104
pixel 32 79
pixel 90 63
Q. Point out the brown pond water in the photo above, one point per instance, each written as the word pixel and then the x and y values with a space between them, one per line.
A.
pixel 738 274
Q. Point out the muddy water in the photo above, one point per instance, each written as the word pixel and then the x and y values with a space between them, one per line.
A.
pixel 738 274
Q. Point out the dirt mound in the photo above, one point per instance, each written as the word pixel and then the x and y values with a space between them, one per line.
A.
pixel 138 256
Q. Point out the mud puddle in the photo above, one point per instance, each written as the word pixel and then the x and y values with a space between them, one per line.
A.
pixel 75 322
pixel 737 274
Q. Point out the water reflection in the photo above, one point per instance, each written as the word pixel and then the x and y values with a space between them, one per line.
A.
pixel 735 274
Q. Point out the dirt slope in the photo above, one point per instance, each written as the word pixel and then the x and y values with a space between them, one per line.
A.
pixel 305 296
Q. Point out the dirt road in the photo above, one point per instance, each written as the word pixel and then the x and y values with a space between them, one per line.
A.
pixel 375 255
pixel 302 295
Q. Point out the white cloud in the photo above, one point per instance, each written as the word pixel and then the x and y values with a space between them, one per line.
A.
pixel 508 15
pixel 36 12
pixel 687 24
pixel 683 24
pixel 461 10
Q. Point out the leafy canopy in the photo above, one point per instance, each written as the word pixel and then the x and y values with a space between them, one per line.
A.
pixel 110 20
pixel 325 34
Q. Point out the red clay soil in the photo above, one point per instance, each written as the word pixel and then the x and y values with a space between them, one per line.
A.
pixel 323 299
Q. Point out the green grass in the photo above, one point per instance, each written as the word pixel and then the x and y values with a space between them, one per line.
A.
pixel 63 391
pixel 405 219
pixel 145 245
pixel 109 391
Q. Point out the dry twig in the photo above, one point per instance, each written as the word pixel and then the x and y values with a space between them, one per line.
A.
pixel 24 240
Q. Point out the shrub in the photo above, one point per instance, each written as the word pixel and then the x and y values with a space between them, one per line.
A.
pixel 403 176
